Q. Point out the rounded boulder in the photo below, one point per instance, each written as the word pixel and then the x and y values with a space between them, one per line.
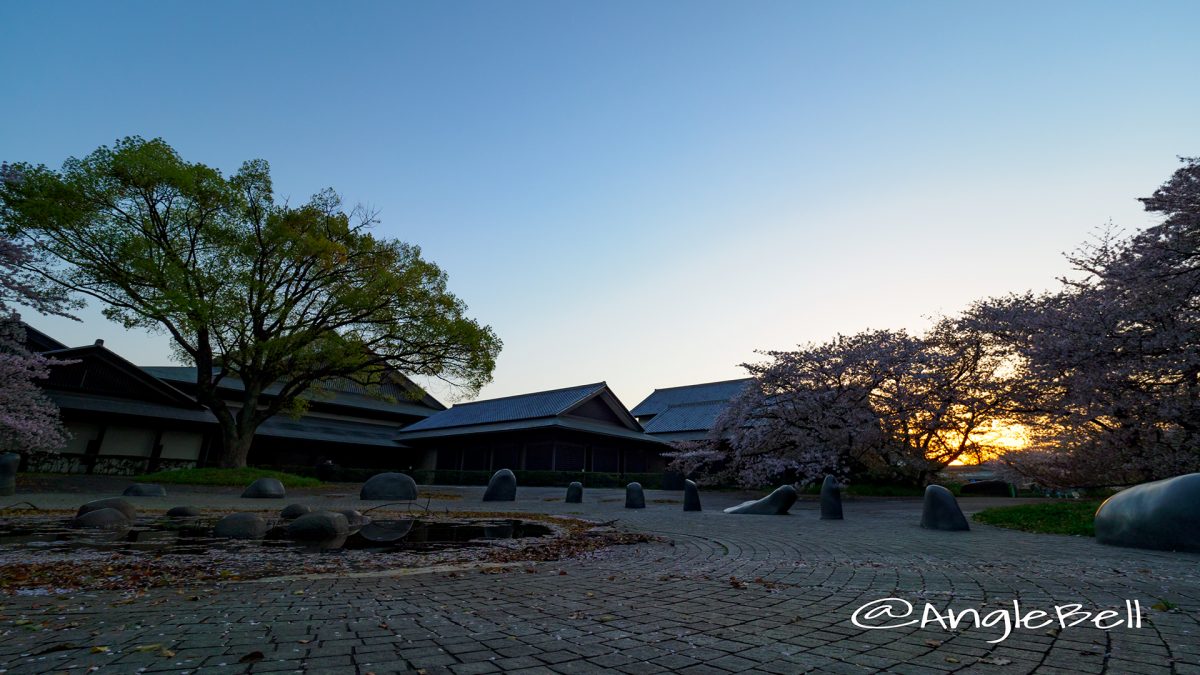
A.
pixel 389 486
pixel 110 503
pixel 144 490
pixel 318 526
pixel 240 526
pixel 102 519
pixel 265 488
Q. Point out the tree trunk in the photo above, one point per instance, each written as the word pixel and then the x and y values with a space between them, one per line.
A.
pixel 235 447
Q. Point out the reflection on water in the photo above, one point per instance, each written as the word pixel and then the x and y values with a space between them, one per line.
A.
pixel 166 537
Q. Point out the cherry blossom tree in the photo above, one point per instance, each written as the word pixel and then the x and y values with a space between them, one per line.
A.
pixel 880 404
pixel 1112 358
pixel 28 420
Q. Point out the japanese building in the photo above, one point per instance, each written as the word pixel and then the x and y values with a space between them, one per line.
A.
pixel 583 428
pixel 686 413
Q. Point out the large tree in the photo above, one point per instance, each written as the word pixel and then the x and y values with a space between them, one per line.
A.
pixel 1113 356
pixel 879 404
pixel 281 297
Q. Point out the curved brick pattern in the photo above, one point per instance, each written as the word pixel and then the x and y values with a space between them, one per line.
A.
pixel 723 594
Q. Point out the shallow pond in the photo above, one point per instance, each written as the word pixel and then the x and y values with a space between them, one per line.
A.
pixel 168 537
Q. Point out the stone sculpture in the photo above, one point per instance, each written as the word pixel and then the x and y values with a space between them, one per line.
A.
pixel 575 493
pixel 389 486
pixel 831 499
pixel 691 496
pixel 502 487
pixel 941 512
pixel 265 488
pixel 1162 515
pixel 635 498
pixel 775 504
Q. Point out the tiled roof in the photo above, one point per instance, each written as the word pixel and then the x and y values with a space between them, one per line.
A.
pixel 342 392
pixel 661 399
pixel 508 409
pixel 686 417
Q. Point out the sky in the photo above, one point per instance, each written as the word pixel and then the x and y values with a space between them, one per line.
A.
pixel 646 193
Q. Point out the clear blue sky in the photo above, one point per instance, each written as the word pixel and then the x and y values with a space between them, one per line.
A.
pixel 647 192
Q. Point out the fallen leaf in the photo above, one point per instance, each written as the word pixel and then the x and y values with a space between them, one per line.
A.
pixel 99 650
pixel 147 648
pixel 951 659
pixel 933 643
pixel 252 657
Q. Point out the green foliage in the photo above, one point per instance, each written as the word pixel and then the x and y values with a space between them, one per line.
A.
pixel 1074 517
pixel 215 476
pixel 284 298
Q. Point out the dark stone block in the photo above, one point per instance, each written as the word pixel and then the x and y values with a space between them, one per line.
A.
pixel 1162 515
pixel 691 496
pixel 635 498
pixel 240 526
pixel 102 519
pixel 502 487
pixel 397 487
pixel 318 526
pixel 575 493
pixel 265 488
pixel 294 511
pixel 144 490
pixel 941 512
pixel 831 499
pixel 184 512
pixel 775 504
pixel 986 488
pixel 9 463
pixel 109 503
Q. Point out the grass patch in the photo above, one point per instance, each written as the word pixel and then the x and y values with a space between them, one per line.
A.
pixel 1054 517
pixel 215 476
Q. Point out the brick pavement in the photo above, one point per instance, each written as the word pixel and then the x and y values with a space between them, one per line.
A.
pixel 724 594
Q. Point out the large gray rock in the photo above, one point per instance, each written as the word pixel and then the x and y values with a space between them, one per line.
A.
pixel 265 488
pixel 102 519
pixel 1162 515
pixel 109 503
pixel 144 490
pixel 389 486
pixel 691 496
pixel 831 499
pixel 575 493
pixel 775 504
pixel 294 511
pixel 184 512
pixel 635 498
pixel 941 512
pixel 502 487
pixel 318 526
pixel 240 526
pixel 9 462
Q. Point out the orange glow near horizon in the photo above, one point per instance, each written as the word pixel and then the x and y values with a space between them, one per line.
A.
pixel 1001 436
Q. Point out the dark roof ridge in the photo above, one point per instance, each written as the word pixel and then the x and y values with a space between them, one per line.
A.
pixel 591 389
pixel 705 384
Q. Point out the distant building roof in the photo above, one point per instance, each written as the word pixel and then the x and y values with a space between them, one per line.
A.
pixel 686 417
pixel 657 402
pixel 554 408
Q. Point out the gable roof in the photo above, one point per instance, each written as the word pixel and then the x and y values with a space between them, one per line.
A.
pixel 37 341
pixel 526 411
pixel 661 399
pixel 95 369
